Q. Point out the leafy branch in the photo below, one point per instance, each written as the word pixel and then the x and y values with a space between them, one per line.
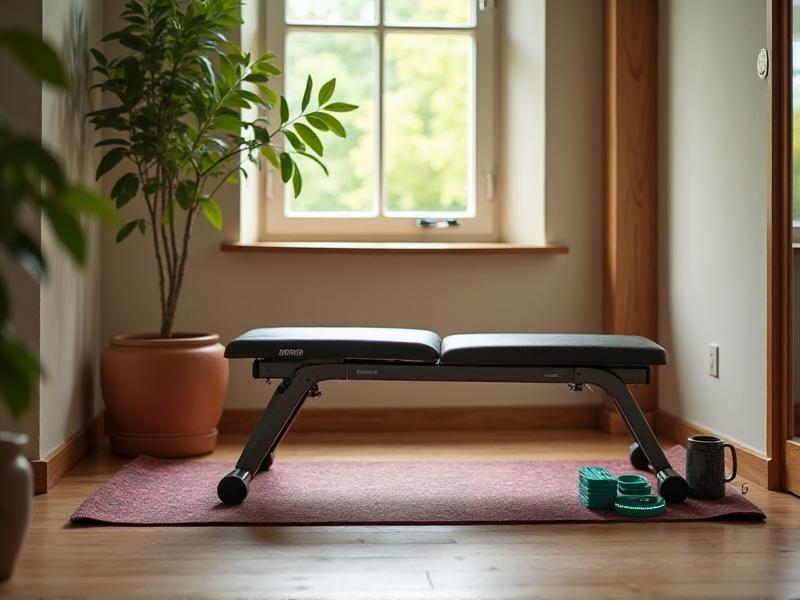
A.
pixel 178 93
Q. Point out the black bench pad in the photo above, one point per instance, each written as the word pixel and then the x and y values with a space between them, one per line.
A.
pixel 551 350
pixel 337 343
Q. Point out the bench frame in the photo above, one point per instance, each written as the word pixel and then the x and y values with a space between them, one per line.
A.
pixel 300 380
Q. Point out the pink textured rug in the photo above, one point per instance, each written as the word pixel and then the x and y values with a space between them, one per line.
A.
pixel 151 491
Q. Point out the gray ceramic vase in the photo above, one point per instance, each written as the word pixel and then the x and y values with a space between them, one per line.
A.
pixel 16 499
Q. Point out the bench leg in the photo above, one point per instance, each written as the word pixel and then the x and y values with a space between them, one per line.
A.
pixel 278 416
pixel 671 486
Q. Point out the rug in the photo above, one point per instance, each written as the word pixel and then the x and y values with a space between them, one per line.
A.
pixel 152 491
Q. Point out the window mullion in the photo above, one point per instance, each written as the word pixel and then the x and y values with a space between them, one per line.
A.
pixel 381 183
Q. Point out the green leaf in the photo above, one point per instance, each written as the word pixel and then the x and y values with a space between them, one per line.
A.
pixel 287 167
pixel 168 214
pixel 206 65
pixel 297 182
pixel 142 226
pixel 126 230
pixel 212 212
pixel 326 91
pixel 333 123
pixel 99 57
pixel 67 229
pixel 228 123
pixel 125 189
pixel 109 161
pixel 81 200
pixel 41 160
pixel 19 370
pixel 184 193
pixel 340 107
pixel 316 122
pixel 284 110
pixel 35 55
pixel 294 141
pixel 269 154
pixel 316 160
pixel 306 94
pixel 309 137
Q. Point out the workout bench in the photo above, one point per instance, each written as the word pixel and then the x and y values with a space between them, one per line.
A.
pixel 302 357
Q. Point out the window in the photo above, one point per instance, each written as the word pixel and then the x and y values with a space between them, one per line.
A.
pixel 421 144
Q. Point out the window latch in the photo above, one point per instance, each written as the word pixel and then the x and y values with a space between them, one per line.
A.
pixel 487 5
pixel 437 223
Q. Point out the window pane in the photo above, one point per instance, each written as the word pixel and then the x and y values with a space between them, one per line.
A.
pixel 331 12
pixel 430 12
pixel 350 58
pixel 428 122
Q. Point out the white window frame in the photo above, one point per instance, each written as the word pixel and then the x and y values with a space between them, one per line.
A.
pixel 481 222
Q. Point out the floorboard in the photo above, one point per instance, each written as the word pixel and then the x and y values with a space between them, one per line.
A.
pixel 623 560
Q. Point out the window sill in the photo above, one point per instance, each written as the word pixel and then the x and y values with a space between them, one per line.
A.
pixel 394 248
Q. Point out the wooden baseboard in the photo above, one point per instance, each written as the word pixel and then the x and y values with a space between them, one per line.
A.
pixel 612 423
pixel 48 470
pixel 752 465
pixel 466 418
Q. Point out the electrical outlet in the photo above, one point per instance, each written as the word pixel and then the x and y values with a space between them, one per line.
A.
pixel 713 360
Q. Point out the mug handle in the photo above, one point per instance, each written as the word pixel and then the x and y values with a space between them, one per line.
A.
pixel 732 476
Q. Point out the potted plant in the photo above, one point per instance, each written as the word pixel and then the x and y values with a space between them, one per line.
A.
pixel 31 181
pixel 187 107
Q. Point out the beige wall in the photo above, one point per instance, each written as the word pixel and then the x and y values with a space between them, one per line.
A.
pixel 229 293
pixel 61 316
pixel 713 197
pixel 70 297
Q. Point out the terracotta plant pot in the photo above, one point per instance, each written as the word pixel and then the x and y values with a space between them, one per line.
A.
pixel 16 483
pixel 164 397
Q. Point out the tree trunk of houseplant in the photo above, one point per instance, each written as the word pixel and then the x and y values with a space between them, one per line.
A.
pixel 164 397
pixel 16 483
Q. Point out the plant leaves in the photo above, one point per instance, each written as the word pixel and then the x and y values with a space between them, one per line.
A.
pixel 269 154
pixel 184 193
pixel 309 137
pixel 212 212
pixel 326 91
pixel 124 189
pixel 297 182
pixel 284 110
pixel 287 167
pixel 81 200
pixel 109 161
pixel 316 160
pixel 228 123
pixel 36 55
pixel 306 94
pixel 19 370
pixel 333 123
pixel 340 107
pixel 126 230
pixel 316 122
pixel 294 141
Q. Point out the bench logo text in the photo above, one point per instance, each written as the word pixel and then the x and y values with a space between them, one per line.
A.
pixel 290 352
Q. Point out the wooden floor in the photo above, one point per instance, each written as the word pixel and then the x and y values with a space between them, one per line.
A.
pixel 638 560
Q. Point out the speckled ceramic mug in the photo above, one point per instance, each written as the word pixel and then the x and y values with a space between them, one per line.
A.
pixel 705 466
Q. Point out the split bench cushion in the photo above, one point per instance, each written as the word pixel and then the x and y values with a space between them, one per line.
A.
pixel 423 346
pixel 551 349
pixel 337 344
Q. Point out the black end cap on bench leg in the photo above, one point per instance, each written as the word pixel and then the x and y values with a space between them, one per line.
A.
pixel 671 486
pixel 232 488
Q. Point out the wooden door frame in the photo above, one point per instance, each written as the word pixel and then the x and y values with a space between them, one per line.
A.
pixel 784 453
